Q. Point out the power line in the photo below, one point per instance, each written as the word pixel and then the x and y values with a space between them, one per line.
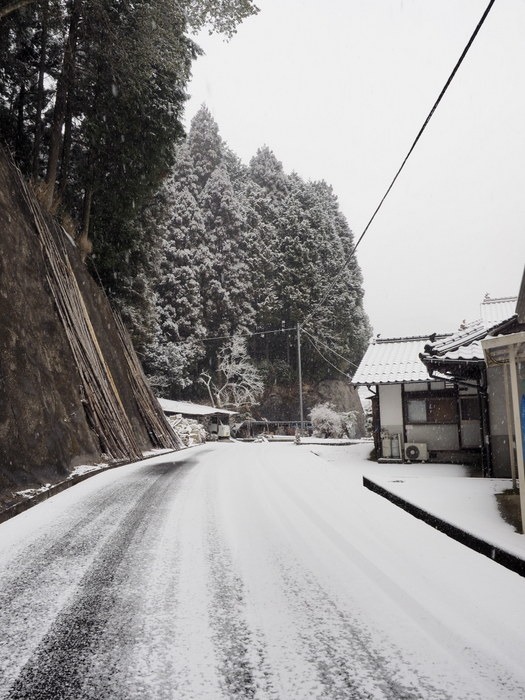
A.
pixel 412 147
pixel 329 348
pixel 312 343
pixel 231 335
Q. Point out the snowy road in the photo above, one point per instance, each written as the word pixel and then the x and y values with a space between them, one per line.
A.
pixel 249 571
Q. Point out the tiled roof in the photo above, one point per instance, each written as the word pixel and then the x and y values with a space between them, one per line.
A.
pixel 391 361
pixel 494 310
pixel 465 344
pixel 395 360
pixel 465 352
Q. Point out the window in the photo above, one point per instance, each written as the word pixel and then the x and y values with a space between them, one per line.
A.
pixel 435 409
pixel 417 411
pixel 470 409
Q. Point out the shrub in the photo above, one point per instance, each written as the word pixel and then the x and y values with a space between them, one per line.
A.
pixel 326 422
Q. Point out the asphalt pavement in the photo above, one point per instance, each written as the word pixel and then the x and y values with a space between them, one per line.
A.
pixel 224 571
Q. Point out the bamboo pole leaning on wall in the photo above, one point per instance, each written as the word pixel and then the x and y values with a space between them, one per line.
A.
pixel 104 408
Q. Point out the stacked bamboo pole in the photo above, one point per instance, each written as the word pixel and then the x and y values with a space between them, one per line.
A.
pixel 160 431
pixel 105 412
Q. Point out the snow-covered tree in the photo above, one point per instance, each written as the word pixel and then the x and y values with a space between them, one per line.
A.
pixel 225 279
pixel 252 248
pixel 91 105
pixel 205 145
pixel 172 358
pixel 237 382
pixel 326 422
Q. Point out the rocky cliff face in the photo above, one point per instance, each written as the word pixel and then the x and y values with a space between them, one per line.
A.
pixel 282 402
pixel 71 389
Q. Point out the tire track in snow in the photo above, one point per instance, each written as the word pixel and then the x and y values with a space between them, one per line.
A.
pixel 87 634
pixel 28 566
pixel 36 583
pixel 483 668
pixel 349 663
pixel 242 665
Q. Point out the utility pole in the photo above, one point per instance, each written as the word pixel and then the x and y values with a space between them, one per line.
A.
pixel 299 368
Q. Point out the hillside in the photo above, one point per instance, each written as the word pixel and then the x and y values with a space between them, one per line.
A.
pixel 72 388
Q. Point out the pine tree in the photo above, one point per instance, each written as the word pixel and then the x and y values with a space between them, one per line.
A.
pixel 251 248
pixel 173 355
pixel 102 128
pixel 266 194
pixel 206 147
pixel 225 279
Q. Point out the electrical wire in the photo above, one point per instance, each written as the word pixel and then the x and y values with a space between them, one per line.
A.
pixel 412 147
pixel 231 335
pixel 329 348
pixel 312 343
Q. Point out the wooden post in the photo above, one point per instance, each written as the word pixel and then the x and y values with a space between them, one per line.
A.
pixel 299 369
pixel 517 429
pixel 510 430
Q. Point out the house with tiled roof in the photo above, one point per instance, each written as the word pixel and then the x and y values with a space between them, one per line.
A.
pixel 459 358
pixel 417 416
pixel 434 398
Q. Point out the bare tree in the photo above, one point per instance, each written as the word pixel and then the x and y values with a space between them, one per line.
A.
pixel 239 382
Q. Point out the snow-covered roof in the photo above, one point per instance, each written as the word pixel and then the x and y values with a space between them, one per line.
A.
pixel 187 408
pixel 495 310
pixel 393 360
pixel 465 344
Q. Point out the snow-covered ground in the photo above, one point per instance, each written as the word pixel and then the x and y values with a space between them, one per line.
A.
pixel 252 571
pixel 444 490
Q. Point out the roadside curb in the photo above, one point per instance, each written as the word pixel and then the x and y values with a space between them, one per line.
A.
pixel 27 503
pixel 500 556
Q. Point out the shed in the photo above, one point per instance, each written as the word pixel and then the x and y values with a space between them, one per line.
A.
pixel 216 419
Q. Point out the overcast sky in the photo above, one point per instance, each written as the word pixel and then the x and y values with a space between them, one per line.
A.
pixel 338 89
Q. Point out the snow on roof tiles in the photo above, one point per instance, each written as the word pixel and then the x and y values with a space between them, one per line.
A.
pixel 465 352
pixel 391 361
pixel 465 344
pixel 495 310
pixel 395 360
pixel 188 408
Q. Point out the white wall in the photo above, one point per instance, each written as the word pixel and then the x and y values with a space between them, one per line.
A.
pixel 437 437
pixel 391 408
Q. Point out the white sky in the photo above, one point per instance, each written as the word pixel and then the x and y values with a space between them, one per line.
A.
pixel 338 89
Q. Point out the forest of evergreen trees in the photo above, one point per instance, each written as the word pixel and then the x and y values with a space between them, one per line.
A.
pixel 246 250
pixel 193 246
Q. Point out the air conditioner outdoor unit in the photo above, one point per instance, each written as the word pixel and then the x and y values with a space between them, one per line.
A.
pixel 416 451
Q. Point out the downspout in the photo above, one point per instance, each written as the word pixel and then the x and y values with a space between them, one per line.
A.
pixel 486 450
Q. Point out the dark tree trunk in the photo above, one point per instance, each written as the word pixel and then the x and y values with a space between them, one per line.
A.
pixel 64 87
pixel 66 150
pixel 20 104
pixel 40 91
